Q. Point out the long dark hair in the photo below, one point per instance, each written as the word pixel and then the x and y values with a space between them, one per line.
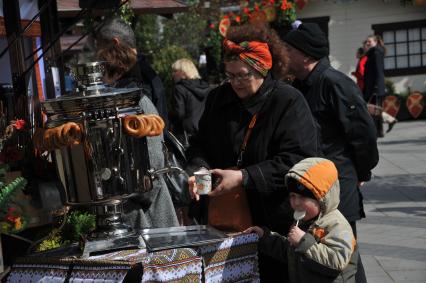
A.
pixel 379 41
pixel 119 58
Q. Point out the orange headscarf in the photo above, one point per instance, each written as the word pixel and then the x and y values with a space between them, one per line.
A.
pixel 254 53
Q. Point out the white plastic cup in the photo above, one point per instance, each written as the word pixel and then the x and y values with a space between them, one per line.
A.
pixel 203 181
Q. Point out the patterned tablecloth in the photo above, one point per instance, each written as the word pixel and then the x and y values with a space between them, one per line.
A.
pixel 232 260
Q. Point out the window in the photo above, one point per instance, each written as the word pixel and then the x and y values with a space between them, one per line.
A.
pixel 405 47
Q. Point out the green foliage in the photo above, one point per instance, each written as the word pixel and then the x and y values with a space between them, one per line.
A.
pixel 126 13
pixel 53 241
pixel 390 87
pixel 164 41
pixel 163 60
pixel 147 35
pixel 78 224
pixel 186 30
pixel 11 189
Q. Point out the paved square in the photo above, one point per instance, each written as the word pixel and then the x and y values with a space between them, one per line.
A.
pixel 392 239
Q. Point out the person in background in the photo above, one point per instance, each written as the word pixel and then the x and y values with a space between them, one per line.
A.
pixel 374 79
pixel 346 129
pixel 152 84
pixel 321 246
pixel 117 47
pixel 360 66
pixel 69 80
pixel 187 103
pixel 253 130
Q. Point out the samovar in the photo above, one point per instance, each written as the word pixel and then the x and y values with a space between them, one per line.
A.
pixel 99 164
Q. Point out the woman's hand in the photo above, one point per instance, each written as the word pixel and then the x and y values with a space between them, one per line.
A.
pixel 193 188
pixel 230 180
pixel 295 235
pixel 255 229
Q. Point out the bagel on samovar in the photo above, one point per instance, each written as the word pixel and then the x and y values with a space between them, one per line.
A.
pixel 132 125
pixel 70 133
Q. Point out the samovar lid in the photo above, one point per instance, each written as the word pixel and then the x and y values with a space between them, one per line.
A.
pixel 92 97
pixel 76 107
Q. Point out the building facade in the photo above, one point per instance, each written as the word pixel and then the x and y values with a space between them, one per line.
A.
pixel 402 26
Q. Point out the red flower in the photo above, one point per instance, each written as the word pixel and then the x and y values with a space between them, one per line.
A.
pixel 19 124
pixel 284 5
pixel 238 19
pixel 246 11
pixel 11 218
pixel 256 7
pixel 272 2
pixel 211 26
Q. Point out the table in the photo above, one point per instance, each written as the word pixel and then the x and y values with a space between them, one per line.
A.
pixel 232 260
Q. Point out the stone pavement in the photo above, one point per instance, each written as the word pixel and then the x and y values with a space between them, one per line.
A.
pixel 392 238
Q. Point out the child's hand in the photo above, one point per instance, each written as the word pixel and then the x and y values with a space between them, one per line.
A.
pixel 255 229
pixel 295 235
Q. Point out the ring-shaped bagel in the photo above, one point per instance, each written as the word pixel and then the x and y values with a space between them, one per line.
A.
pixel 132 125
pixel 160 120
pixel 71 133
pixel 145 126
pixel 156 127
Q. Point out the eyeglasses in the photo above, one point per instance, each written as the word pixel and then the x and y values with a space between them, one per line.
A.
pixel 239 77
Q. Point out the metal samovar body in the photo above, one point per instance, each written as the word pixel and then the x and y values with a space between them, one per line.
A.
pixel 107 166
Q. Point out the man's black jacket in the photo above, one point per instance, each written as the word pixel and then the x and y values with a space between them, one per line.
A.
pixel 346 131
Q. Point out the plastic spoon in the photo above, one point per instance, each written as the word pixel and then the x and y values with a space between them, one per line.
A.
pixel 298 215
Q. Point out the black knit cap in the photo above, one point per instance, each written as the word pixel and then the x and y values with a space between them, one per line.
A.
pixel 293 186
pixel 310 39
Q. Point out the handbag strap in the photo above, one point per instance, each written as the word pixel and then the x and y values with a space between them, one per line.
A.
pixel 245 140
pixel 250 128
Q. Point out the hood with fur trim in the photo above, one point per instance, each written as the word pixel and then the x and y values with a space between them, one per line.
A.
pixel 320 176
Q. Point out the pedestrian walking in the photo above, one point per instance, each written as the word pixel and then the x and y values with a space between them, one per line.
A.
pixel 374 79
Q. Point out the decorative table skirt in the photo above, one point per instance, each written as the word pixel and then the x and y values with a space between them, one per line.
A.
pixel 232 260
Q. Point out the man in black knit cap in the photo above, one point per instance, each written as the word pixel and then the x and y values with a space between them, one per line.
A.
pixel 346 130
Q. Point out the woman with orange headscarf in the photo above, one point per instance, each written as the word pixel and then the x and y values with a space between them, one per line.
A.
pixel 253 130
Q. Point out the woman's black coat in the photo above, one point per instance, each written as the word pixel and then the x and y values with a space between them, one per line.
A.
pixel 187 103
pixel 283 135
pixel 374 76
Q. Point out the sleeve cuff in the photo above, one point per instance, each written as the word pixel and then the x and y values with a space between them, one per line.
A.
pixel 245 177
pixel 305 243
pixel 364 177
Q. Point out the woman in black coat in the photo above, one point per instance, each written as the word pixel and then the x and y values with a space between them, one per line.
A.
pixel 374 80
pixel 374 74
pixel 189 97
pixel 282 133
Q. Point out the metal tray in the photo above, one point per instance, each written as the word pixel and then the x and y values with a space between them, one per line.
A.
pixel 183 236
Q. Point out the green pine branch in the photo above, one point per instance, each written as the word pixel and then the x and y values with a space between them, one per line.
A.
pixel 6 192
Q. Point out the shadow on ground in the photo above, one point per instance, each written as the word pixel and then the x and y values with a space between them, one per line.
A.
pixel 394 251
pixel 419 141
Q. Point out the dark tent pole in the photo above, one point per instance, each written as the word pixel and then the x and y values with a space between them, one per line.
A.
pixel 12 19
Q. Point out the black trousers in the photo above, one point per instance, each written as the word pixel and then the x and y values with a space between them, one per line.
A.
pixel 272 270
pixel 360 273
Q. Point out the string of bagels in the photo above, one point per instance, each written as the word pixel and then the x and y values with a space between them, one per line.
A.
pixel 71 133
